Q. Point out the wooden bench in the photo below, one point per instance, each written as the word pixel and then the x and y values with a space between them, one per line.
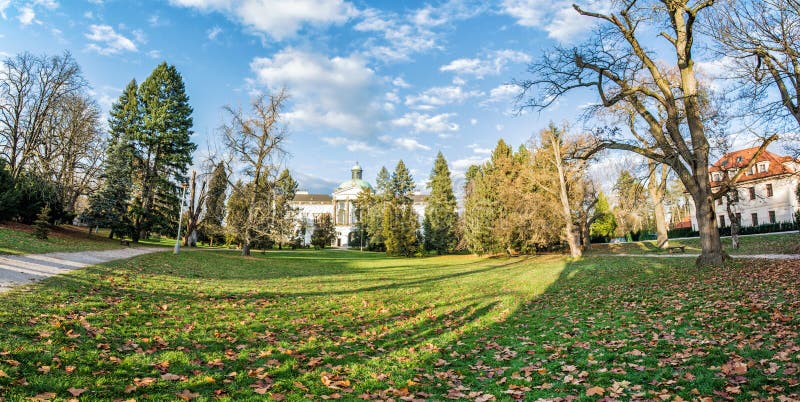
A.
pixel 124 243
pixel 676 249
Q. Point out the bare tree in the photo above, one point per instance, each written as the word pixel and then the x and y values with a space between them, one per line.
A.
pixel 761 40
pixel 553 138
pixel 72 152
pixel 620 68
pixel 196 204
pixel 255 139
pixel 31 87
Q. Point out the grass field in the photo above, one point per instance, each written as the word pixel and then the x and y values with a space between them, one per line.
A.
pixel 762 244
pixel 314 325
pixel 17 239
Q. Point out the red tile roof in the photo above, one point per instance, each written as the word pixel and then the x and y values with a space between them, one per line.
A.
pixel 739 159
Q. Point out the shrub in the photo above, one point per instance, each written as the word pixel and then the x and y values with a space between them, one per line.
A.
pixel 745 230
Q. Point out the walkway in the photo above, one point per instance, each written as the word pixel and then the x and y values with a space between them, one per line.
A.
pixel 737 256
pixel 21 269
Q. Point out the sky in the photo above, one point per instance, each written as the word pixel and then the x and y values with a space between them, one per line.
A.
pixel 369 82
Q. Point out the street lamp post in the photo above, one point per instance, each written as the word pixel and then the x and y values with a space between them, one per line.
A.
pixel 180 218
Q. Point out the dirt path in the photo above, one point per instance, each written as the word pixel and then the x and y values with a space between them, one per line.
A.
pixel 21 269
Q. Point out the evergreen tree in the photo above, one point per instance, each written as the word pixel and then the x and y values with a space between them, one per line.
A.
pixel 382 182
pixel 400 223
pixel 605 225
pixel 108 207
pixel 402 184
pixel 324 231
pixel 163 149
pixel 41 226
pixel 440 213
pixel 8 194
pixel 215 203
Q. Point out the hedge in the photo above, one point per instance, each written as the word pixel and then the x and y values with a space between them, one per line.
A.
pixel 726 231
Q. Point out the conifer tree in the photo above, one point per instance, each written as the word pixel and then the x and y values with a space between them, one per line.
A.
pixel 109 207
pixel 440 213
pixel 400 223
pixel 215 203
pixel 324 231
pixel 382 182
pixel 41 226
pixel 163 149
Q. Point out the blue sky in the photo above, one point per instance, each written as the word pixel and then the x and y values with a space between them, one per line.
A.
pixel 371 82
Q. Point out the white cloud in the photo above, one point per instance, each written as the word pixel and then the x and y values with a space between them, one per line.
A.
pixel 479 150
pixel 493 63
pixel 49 4
pixel 276 18
pixel 556 17
pixel 460 166
pixel 503 95
pixel 26 15
pixel 107 41
pixel 350 144
pixel 3 6
pixel 400 83
pixel 154 54
pixel 440 96
pixel 425 123
pixel 337 92
pixel 473 121
pixel 398 37
pixel 407 143
pixel 213 33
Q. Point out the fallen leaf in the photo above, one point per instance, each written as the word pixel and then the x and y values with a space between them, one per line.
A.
pixel 595 391
pixel 76 391
pixel 170 377
pixel 187 395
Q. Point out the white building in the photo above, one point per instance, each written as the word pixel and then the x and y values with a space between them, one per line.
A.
pixel 341 206
pixel 767 192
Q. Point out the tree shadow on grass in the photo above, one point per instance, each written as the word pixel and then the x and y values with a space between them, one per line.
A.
pixel 647 323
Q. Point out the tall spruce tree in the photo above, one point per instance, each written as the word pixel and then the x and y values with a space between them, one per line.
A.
pixel 400 222
pixel 440 213
pixel 109 207
pixel 163 149
pixel 215 203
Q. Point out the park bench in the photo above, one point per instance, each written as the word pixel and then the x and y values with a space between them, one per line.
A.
pixel 676 249
pixel 124 242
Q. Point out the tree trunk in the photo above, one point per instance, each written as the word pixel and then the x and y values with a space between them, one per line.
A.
pixel 662 237
pixel 712 254
pixel 574 247
pixel 729 202
pixel 586 235
pixel 246 249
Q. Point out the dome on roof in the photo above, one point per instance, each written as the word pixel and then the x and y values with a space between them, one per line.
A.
pixel 363 184
pixel 356 167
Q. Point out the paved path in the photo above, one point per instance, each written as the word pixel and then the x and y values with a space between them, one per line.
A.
pixel 740 256
pixel 20 269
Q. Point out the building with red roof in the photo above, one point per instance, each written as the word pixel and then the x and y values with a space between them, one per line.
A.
pixel 767 191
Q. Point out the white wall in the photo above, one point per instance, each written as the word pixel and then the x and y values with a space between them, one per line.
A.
pixel 783 201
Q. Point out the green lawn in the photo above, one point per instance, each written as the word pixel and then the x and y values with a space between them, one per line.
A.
pixel 766 244
pixel 16 239
pixel 336 324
